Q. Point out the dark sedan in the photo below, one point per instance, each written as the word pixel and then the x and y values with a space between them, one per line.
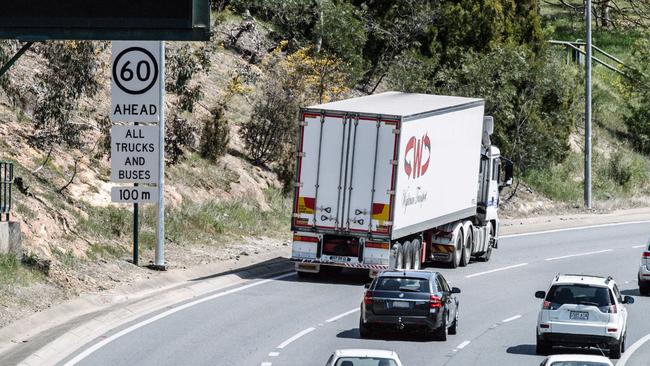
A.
pixel 409 299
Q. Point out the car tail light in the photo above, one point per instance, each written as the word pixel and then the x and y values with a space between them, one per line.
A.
pixel 435 302
pixel 609 309
pixel 367 298
pixel 646 255
pixel 612 330
pixel 544 326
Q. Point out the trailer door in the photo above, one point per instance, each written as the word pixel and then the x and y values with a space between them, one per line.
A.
pixel 369 176
pixel 324 140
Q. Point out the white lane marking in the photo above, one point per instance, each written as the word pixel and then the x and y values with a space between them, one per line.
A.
pixel 575 228
pixel 274 354
pixel 266 364
pixel 638 246
pixel 333 319
pixel 628 353
pixel 496 270
pixel 463 345
pixel 87 352
pixel 298 335
pixel 511 319
pixel 578 255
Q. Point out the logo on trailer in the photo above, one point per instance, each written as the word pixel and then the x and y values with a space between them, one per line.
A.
pixel 413 164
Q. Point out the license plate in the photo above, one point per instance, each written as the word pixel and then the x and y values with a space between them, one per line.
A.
pixel 579 315
pixel 401 305
pixel 336 258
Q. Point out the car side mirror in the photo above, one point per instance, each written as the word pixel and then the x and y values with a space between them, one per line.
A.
pixel 367 285
pixel 455 290
pixel 628 300
pixel 540 294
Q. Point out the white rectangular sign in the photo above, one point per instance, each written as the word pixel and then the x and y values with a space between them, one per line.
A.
pixel 134 194
pixel 134 154
pixel 135 81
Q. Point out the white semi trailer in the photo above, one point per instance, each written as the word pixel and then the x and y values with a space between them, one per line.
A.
pixel 393 180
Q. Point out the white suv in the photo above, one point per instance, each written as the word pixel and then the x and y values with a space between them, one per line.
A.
pixel 644 272
pixel 582 311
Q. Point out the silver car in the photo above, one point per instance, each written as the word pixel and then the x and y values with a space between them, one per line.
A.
pixel 363 357
pixel 644 272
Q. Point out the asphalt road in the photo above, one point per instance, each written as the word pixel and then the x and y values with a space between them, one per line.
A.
pixel 290 321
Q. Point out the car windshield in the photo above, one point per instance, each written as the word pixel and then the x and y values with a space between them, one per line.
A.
pixel 559 295
pixel 365 361
pixel 578 363
pixel 402 284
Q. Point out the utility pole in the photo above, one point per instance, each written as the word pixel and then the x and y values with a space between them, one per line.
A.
pixel 588 106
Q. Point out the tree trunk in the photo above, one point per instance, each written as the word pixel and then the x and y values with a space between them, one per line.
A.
pixel 605 14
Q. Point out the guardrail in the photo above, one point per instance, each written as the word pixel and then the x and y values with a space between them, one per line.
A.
pixel 6 183
pixel 575 49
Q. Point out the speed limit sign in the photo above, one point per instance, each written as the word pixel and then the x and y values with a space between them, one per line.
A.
pixel 135 76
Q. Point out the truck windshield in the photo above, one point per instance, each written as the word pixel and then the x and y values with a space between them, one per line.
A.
pixel 559 295
pixel 402 284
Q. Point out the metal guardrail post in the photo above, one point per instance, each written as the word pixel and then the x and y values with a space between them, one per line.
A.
pixel 6 183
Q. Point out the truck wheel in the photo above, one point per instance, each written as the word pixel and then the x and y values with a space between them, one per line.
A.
pixel 464 259
pixel 397 259
pixel 416 247
pixel 488 253
pixel 455 255
pixel 407 249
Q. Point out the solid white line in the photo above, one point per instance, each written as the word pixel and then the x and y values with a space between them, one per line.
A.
pixel 298 335
pixel 638 246
pixel 333 319
pixel 628 353
pixel 496 270
pixel 575 228
pixel 511 319
pixel 463 345
pixel 87 352
pixel 578 255
pixel 274 354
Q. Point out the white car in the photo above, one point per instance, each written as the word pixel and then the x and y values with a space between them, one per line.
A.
pixel 582 311
pixel 576 360
pixel 363 357
pixel 644 272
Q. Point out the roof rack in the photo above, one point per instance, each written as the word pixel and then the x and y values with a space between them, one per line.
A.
pixel 607 279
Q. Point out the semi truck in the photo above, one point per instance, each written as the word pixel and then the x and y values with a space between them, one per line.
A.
pixel 394 180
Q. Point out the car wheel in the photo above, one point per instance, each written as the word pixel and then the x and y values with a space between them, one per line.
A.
pixel 543 348
pixel 623 343
pixel 454 327
pixel 615 350
pixel 644 288
pixel 442 332
pixel 364 330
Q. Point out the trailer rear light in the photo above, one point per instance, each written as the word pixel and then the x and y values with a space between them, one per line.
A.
pixel 308 239
pixel 435 302
pixel 367 298
pixel 370 244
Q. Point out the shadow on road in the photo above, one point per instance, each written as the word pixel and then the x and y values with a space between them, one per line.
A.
pixel 255 271
pixel 529 350
pixel 387 335
pixel 333 275
pixel 631 292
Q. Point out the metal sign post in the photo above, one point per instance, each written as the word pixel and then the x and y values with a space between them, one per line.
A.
pixel 588 106
pixel 160 232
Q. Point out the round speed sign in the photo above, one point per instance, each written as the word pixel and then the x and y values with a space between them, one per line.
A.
pixel 135 70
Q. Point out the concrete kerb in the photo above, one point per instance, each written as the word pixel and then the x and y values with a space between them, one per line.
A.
pixel 72 324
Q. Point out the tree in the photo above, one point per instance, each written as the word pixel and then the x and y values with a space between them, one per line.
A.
pixel 638 96
pixel 610 13
pixel 71 71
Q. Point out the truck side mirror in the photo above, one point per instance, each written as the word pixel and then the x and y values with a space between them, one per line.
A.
pixel 508 168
